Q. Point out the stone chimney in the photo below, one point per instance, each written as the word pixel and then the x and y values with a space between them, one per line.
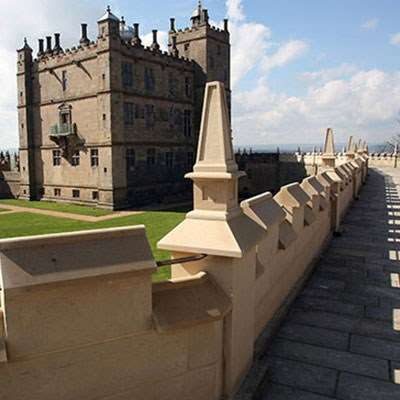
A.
pixel 136 41
pixel 48 45
pixel 226 25
pixel 41 47
pixel 84 38
pixel 174 49
pixel 155 46
pixel 57 46
pixel 172 25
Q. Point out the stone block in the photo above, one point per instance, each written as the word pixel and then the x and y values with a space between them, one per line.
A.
pixel 302 375
pixel 315 336
pixel 355 387
pixel 281 392
pixel 330 358
pixel 379 348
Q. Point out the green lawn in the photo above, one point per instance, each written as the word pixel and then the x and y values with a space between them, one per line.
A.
pixel 62 207
pixel 3 209
pixel 158 223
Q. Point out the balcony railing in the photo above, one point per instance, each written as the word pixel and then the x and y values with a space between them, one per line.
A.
pixel 63 130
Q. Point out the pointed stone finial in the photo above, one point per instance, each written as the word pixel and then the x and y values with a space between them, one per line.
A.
pixel 350 152
pixel 217 224
pixel 215 151
pixel 329 147
pixel 360 148
pixel 329 157
pixel 108 8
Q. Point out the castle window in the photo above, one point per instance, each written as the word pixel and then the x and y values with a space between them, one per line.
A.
pixel 57 192
pixel 187 123
pixel 188 87
pixel 64 80
pixel 151 156
pixel 56 158
pixel 186 46
pixel 149 79
pixel 127 74
pixel 130 159
pixel 76 193
pixel 75 160
pixel 149 115
pixel 95 195
pixel 129 113
pixel 94 157
pixel 169 159
pixel 173 85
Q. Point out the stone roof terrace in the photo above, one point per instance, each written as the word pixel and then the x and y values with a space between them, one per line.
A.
pixel 341 336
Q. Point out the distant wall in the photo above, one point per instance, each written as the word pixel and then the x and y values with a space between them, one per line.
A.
pixel 268 172
pixel 9 184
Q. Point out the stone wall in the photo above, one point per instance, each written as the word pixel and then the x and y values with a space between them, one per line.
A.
pixel 81 318
pixel 9 184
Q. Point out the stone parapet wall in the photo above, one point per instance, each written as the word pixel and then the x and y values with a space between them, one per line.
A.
pixel 9 184
pixel 81 318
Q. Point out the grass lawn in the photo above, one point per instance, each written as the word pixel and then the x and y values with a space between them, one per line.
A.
pixel 62 207
pixel 158 223
pixel 3 209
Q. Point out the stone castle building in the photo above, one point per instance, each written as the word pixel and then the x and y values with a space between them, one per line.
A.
pixel 112 122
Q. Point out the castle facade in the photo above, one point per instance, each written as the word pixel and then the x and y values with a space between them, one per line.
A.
pixel 111 122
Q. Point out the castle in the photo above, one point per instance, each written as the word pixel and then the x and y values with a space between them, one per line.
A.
pixel 111 122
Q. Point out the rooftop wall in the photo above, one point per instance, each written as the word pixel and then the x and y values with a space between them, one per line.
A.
pixel 81 318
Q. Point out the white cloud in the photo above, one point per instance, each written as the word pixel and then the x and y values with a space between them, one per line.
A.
pixel 395 39
pixel 363 105
pixel 235 10
pixel 285 54
pixel 370 24
pixel 341 71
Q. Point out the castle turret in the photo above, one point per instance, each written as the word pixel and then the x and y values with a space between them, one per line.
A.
pixel 108 25
pixel 25 121
pixel 209 48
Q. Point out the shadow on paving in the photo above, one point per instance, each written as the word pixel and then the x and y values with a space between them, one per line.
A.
pixel 341 336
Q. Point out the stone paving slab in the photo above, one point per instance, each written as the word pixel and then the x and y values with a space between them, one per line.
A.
pixel 303 376
pixel 341 337
pixel 316 336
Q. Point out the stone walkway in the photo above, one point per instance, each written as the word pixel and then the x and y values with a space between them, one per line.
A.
pixel 341 337
pixel 61 214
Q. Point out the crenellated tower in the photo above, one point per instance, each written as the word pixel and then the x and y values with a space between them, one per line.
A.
pixel 209 48
pixel 25 121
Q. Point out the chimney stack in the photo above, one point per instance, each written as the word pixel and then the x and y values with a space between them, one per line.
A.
pixel 172 25
pixel 41 48
pixel 84 38
pixel 136 41
pixel 48 47
pixel 155 46
pixel 226 24
pixel 57 47
pixel 174 49
pixel 205 16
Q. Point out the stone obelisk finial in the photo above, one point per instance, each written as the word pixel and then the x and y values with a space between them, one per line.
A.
pixel 215 173
pixel 216 225
pixel 350 153
pixel 329 157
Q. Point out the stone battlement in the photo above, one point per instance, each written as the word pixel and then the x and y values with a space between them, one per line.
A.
pixel 84 301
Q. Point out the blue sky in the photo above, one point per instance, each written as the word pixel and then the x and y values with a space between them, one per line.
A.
pixel 298 67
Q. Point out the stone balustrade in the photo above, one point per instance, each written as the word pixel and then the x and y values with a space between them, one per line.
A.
pixel 81 318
